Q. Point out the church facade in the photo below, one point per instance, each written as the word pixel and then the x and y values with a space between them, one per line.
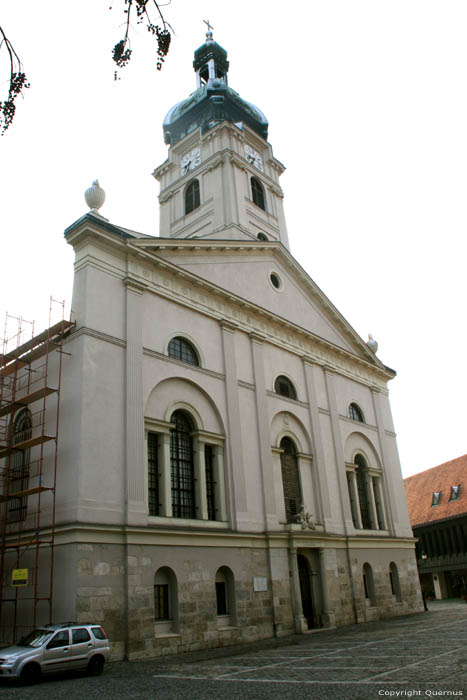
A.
pixel 228 468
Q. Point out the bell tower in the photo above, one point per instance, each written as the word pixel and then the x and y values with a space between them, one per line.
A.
pixel 220 179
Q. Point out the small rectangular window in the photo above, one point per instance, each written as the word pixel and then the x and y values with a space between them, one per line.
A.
pixel 221 598
pixel 436 498
pixel 161 601
pixel 455 491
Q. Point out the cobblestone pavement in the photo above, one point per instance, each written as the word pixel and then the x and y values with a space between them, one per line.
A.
pixel 422 655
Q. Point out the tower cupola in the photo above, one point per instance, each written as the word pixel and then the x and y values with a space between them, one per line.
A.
pixel 213 101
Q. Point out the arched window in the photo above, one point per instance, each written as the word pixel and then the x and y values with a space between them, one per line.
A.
pixel 361 474
pixel 225 597
pixel 181 467
pixel 257 193
pixel 290 480
pixel 182 349
pixel 165 601
pixel 192 200
pixel 369 584
pixel 394 580
pixel 284 387
pixel 355 413
pixel 19 474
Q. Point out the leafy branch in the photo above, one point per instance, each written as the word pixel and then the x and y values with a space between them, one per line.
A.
pixel 121 54
pixel 18 83
pixel 122 51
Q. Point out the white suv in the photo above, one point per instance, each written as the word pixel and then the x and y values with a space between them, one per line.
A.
pixel 56 648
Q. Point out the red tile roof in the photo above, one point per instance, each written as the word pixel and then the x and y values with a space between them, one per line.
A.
pixel 419 490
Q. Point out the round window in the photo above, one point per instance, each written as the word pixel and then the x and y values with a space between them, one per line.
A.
pixel 275 280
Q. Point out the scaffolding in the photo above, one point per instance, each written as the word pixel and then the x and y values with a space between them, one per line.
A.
pixel 30 384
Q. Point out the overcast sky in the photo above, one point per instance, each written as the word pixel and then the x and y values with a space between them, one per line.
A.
pixel 367 107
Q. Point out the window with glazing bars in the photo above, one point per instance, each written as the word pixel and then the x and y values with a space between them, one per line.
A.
pixel 192 199
pixel 210 483
pixel 181 349
pixel 257 193
pixel 181 466
pixel 19 474
pixel 153 475
pixel 161 601
pixel 362 494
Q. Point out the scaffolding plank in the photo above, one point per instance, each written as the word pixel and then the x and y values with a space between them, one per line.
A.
pixel 48 335
pixel 32 442
pixel 25 543
pixel 26 400
pixel 26 492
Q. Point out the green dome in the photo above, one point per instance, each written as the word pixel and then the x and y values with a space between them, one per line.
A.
pixel 213 102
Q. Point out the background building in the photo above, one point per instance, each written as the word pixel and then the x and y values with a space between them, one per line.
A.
pixel 227 462
pixel 437 503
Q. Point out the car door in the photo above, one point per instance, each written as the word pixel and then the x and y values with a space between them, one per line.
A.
pixel 57 653
pixel 81 645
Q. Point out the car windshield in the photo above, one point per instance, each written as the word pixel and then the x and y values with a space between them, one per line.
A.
pixel 35 639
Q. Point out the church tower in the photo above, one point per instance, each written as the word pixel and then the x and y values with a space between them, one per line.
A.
pixel 220 180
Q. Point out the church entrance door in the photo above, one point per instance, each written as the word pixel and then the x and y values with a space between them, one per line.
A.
pixel 304 575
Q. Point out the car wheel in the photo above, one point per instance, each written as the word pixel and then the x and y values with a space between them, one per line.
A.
pixel 96 666
pixel 30 674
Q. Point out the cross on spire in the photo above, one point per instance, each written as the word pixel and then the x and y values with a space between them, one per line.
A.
pixel 210 28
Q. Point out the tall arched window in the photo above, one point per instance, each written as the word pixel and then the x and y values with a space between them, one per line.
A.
pixel 182 349
pixel 181 467
pixel 284 387
pixel 19 474
pixel 225 597
pixel 355 413
pixel 257 193
pixel 361 474
pixel 369 584
pixel 192 199
pixel 290 480
pixel 165 601
pixel 394 581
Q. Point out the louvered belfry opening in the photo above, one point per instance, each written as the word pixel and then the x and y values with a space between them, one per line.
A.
pixel 290 479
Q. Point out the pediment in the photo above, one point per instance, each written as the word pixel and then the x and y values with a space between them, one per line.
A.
pixel 267 276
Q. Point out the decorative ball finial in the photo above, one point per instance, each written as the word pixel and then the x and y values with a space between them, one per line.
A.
pixel 94 196
pixel 372 344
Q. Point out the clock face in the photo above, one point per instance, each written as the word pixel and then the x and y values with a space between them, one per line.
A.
pixel 254 158
pixel 191 160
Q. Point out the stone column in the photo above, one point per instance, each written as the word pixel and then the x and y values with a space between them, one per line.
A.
pixel 263 432
pixel 379 502
pixel 371 501
pixel 338 452
pixel 165 486
pixel 219 492
pixel 200 478
pixel 323 500
pixel 354 502
pixel 327 616
pixel 237 488
pixel 387 482
pixel 134 420
pixel 300 621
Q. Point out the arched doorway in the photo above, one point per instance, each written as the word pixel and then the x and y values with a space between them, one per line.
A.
pixel 304 575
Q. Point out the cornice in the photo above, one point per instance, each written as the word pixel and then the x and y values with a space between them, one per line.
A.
pixel 235 313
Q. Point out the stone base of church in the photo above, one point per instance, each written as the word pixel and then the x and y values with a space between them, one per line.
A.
pixel 114 584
